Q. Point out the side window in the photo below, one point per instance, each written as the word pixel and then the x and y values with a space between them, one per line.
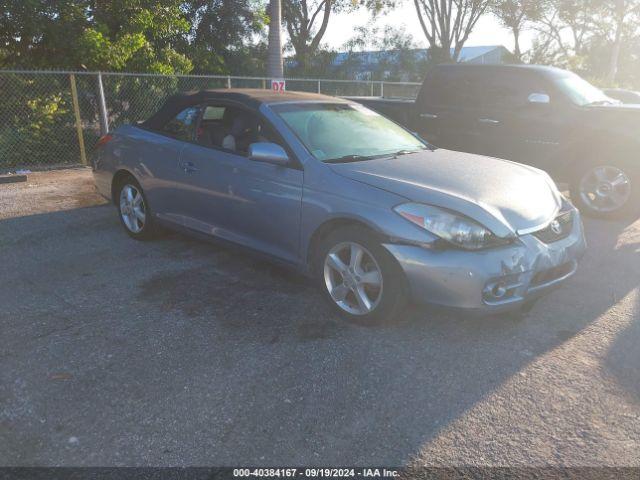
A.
pixel 213 113
pixel 213 125
pixel 183 125
pixel 510 90
pixel 266 134
pixel 232 128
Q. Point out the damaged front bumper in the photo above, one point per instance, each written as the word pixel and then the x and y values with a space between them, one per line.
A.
pixel 492 281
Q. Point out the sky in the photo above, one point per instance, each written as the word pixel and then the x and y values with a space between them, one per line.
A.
pixel 488 31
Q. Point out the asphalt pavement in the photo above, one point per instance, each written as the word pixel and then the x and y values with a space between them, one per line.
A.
pixel 179 352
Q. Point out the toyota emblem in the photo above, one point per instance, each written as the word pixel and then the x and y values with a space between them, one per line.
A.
pixel 556 227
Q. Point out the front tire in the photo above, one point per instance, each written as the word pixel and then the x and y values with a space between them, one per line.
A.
pixel 133 210
pixel 361 279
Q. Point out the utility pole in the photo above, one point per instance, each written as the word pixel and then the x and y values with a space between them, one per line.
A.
pixel 274 60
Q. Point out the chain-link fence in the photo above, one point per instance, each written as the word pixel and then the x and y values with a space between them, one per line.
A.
pixel 54 118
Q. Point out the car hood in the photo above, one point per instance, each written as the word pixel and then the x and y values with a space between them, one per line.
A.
pixel 504 196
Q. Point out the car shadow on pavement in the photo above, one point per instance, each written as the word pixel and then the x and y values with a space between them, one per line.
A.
pixel 179 352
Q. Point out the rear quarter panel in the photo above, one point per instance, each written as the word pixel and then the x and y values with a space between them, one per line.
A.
pixel 151 158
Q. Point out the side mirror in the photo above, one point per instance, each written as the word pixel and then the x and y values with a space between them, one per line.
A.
pixel 539 99
pixel 268 153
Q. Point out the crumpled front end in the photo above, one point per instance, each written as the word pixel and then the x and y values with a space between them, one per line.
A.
pixel 496 280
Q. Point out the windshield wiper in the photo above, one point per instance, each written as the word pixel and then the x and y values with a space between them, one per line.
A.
pixel 405 152
pixel 351 158
pixel 360 158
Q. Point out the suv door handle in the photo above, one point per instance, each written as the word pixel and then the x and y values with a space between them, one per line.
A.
pixel 429 116
pixel 489 121
pixel 189 167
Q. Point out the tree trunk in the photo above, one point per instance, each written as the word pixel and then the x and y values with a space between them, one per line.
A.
pixel 517 52
pixel 615 56
pixel 302 59
pixel 274 60
pixel 617 43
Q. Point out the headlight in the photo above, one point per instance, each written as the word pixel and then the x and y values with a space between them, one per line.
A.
pixel 453 227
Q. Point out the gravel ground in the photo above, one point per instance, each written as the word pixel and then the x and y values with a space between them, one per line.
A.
pixel 179 352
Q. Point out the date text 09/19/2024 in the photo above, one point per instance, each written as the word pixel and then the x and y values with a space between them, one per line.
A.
pixel 315 473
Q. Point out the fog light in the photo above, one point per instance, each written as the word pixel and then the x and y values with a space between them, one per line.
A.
pixel 496 291
pixel 499 290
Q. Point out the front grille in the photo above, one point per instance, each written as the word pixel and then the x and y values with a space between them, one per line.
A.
pixel 559 229
pixel 547 276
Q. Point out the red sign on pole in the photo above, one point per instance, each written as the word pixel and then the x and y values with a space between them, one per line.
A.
pixel 278 86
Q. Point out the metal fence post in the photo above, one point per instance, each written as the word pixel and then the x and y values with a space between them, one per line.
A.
pixel 76 113
pixel 319 89
pixel 382 89
pixel 102 106
pixel 228 81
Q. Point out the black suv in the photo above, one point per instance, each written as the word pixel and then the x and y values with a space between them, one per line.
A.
pixel 541 116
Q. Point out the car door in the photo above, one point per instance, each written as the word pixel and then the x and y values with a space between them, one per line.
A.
pixel 520 119
pixel 232 197
pixel 446 109
pixel 158 153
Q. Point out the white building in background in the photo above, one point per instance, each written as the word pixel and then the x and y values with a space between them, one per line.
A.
pixel 367 62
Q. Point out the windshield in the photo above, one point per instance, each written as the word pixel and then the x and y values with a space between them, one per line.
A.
pixel 345 132
pixel 580 91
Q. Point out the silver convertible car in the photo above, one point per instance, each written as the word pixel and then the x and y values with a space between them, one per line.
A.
pixel 377 215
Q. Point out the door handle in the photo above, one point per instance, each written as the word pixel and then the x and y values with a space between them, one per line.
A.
pixel 489 121
pixel 189 167
pixel 429 116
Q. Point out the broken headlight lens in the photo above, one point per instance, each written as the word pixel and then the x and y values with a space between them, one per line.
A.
pixel 452 227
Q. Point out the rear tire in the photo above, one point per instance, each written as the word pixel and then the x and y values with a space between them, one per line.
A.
pixel 604 189
pixel 359 278
pixel 133 210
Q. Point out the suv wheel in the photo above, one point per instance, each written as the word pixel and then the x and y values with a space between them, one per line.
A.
pixel 360 278
pixel 606 191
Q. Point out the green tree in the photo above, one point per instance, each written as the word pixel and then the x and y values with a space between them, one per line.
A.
pixel 625 19
pixel 399 59
pixel 40 34
pixel 94 34
pixel 565 30
pixel 447 24
pixel 225 35
pixel 137 35
pixel 516 15
pixel 307 21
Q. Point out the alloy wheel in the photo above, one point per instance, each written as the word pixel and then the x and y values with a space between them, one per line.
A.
pixel 132 208
pixel 605 189
pixel 353 278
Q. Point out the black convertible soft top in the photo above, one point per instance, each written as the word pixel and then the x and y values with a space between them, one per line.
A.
pixel 251 98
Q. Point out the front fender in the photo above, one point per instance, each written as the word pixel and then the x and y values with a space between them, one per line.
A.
pixel 354 203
